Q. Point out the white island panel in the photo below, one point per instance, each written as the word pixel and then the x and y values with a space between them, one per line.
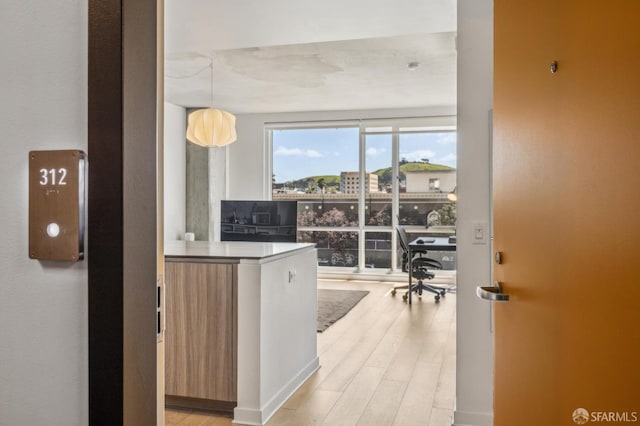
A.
pixel 277 346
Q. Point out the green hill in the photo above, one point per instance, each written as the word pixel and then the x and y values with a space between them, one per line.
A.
pixel 384 175
pixel 330 181
pixel 422 167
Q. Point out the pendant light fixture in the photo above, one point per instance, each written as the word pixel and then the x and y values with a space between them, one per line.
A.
pixel 211 127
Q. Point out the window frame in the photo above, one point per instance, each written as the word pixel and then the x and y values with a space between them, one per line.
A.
pixel 394 127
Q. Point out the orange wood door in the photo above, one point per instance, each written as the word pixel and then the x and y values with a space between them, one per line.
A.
pixel 567 211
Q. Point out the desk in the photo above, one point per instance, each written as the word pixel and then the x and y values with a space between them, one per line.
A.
pixel 424 245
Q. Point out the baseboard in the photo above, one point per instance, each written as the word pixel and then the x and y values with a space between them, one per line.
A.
pixel 472 419
pixel 289 389
pixel 252 417
pixel 247 417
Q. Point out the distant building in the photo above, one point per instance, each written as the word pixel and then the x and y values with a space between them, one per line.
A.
pixel 282 188
pixel 350 182
pixel 431 180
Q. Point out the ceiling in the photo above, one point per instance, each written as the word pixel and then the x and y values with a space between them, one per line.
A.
pixel 284 68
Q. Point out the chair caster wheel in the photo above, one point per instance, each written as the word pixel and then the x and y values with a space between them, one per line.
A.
pixel 393 292
pixel 437 299
pixel 405 297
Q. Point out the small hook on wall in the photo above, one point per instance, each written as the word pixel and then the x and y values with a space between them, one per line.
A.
pixel 553 67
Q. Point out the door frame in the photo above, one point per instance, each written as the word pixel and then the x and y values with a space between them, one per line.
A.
pixel 124 209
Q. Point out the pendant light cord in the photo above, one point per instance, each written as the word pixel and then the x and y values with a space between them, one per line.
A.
pixel 193 74
pixel 211 65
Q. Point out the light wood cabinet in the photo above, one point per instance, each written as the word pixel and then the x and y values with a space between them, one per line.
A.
pixel 201 335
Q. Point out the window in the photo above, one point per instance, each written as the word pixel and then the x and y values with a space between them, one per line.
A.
pixel 355 182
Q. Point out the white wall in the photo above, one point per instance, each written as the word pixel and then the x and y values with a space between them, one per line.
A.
pixel 474 383
pixel 250 159
pixel 43 305
pixel 175 124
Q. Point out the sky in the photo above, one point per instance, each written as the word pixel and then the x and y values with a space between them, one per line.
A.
pixel 302 153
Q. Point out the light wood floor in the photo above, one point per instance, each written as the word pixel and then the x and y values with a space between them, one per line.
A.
pixel 384 363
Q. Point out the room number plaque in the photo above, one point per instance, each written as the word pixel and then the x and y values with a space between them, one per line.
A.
pixel 57 204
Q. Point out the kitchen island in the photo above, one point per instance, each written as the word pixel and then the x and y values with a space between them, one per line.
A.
pixel 240 325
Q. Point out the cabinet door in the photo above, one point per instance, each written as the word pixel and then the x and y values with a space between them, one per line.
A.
pixel 201 331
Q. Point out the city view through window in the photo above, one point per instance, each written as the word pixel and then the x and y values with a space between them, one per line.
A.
pixel 409 177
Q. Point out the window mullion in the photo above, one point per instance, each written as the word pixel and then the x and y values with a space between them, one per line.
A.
pixel 361 198
pixel 395 197
pixel 268 166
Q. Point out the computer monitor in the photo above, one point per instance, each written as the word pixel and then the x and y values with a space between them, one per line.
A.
pixel 263 221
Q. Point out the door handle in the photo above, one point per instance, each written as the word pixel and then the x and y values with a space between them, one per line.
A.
pixel 492 293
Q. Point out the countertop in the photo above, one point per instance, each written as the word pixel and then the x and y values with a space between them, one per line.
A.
pixel 231 250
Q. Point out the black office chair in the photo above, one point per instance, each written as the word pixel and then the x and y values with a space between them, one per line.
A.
pixel 420 265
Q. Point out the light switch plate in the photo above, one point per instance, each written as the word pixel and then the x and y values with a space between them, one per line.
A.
pixel 480 230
